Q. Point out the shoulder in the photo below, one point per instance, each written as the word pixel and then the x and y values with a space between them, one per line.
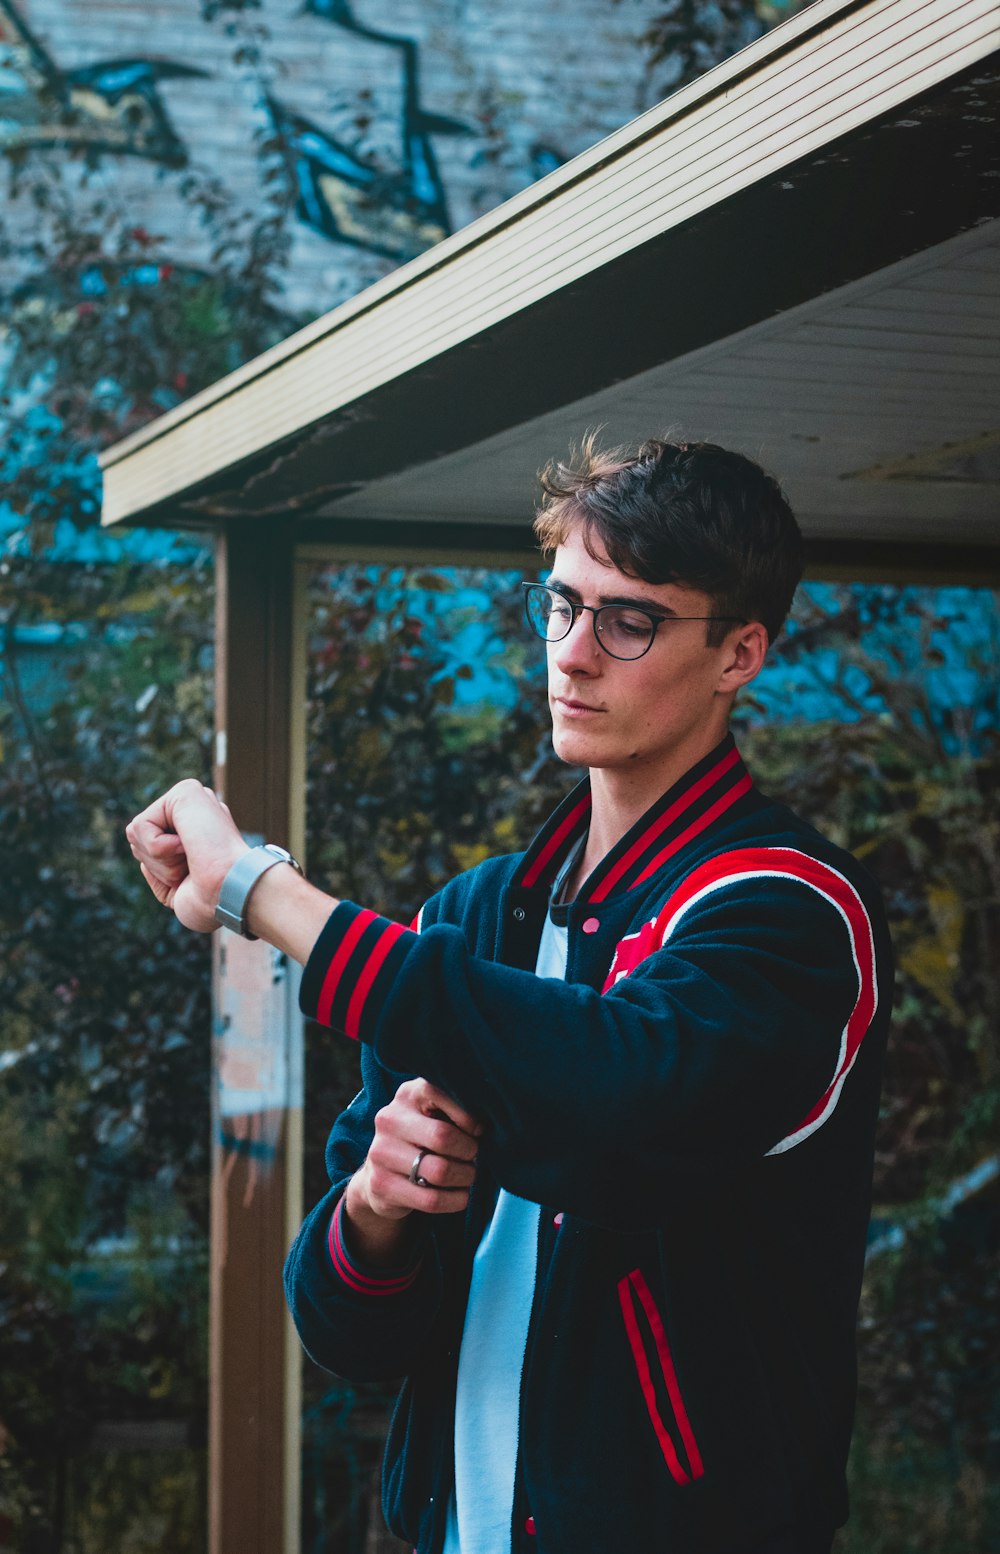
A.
pixel 769 871
pixel 783 891
pixel 773 843
pixel 773 902
pixel 808 854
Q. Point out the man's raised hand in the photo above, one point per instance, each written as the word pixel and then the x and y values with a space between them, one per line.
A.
pixel 185 843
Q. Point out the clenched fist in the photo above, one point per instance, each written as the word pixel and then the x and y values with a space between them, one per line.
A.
pixel 381 1196
pixel 186 842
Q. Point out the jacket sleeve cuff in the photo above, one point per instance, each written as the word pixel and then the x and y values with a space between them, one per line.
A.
pixel 352 968
pixel 365 1281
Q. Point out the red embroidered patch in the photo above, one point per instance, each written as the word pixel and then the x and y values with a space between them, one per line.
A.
pixel 633 949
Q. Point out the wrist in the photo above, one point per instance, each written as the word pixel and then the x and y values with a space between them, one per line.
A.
pixel 377 1238
pixel 227 863
pixel 247 870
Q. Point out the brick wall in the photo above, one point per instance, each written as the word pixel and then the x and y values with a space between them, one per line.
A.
pixel 525 84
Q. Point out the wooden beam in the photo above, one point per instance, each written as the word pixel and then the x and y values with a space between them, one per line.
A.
pixel 402 542
pixel 883 561
pixel 257 1117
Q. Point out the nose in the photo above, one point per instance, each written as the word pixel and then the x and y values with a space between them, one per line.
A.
pixel 579 652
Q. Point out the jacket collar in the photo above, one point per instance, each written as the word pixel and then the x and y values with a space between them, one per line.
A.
pixel 686 811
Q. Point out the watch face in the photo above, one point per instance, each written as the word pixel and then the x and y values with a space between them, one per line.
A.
pixel 282 855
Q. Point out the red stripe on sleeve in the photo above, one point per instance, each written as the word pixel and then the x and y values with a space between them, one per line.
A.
pixel 363 986
pixel 394 1285
pixel 787 863
pixel 335 970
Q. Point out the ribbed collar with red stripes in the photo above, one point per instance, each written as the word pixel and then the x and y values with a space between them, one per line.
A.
pixel 686 811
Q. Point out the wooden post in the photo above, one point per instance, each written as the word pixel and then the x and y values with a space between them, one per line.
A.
pixel 254 1369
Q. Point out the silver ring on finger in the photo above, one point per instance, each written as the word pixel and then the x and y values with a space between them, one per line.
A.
pixel 415 1176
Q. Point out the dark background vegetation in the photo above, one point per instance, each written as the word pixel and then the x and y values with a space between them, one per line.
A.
pixel 414 774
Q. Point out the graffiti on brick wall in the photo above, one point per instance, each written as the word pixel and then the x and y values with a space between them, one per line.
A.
pixel 110 107
pixel 114 107
pixel 345 196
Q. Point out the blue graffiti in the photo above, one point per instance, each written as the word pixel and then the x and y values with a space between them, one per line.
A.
pixel 349 198
pixel 112 107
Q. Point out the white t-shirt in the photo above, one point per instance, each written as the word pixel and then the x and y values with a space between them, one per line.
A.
pixel 488 1395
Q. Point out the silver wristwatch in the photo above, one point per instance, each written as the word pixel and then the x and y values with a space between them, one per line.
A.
pixel 238 885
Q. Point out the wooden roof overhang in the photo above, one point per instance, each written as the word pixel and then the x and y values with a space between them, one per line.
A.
pixel 798 256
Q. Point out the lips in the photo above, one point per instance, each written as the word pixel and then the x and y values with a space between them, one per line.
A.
pixel 567 705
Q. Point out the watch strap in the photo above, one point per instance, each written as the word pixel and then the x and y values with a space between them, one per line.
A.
pixel 239 883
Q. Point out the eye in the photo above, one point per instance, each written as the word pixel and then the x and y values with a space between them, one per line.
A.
pixel 630 625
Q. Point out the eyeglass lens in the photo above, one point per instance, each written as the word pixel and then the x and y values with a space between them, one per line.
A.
pixel 626 633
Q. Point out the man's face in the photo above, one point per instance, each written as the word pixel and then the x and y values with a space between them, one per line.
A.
pixel 662 711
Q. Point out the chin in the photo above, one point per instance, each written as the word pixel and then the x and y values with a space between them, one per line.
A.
pixel 576 749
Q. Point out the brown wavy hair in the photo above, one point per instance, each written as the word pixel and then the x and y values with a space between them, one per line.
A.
pixel 678 512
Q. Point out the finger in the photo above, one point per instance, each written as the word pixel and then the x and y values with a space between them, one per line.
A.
pixel 158 818
pixel 167 845
pixel 437 1200
pixel 388 1193
pixel 166 864
pixel 413 1130
pixel 146 830
pixel 162 892
pixel 435 1102
pixel 167 856
pixel 442 1137
pixel 439 1170
pixel 149 821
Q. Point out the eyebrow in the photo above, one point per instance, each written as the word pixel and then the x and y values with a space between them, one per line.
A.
pixel 637 601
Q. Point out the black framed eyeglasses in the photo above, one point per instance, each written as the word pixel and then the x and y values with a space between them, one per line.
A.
pixel 622 630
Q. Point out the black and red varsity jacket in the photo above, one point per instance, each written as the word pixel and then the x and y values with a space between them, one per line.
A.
pixel 694 1107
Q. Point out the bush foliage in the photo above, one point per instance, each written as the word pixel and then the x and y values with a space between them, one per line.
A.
pixel 105 1011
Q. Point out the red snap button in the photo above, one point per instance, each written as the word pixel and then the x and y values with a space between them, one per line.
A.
pixel 591 925
pixel 558 1220
pixel 529 1526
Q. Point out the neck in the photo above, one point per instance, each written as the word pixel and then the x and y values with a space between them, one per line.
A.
pixel 620 796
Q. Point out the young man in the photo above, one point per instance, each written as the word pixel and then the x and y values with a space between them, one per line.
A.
pixel 602 1200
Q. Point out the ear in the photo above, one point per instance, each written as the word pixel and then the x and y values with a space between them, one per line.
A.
pixel 744 654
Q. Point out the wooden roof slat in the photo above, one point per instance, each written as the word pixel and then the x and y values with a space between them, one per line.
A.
pixel 927 323
pixel 830 389
pixel 968 282
pixel 890 435
pixel 812 351
pixel 656 184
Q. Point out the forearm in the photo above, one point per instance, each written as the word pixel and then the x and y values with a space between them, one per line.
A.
pixel 711 1052
pixel 287 912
